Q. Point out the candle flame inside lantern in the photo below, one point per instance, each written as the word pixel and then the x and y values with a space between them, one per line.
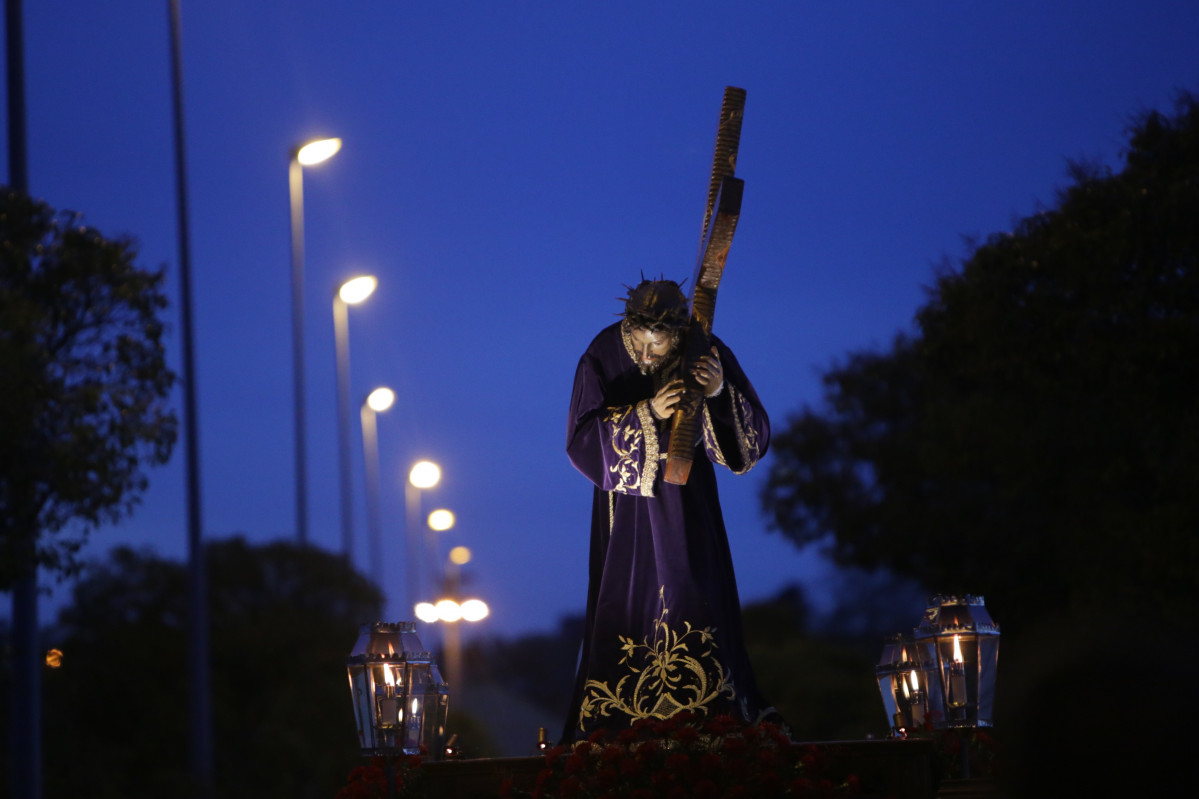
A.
pixel 389 677
pixel 915 681
pixel 957 649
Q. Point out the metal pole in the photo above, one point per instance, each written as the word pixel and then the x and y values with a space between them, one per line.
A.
pixel 25 759
pixel 412 542
pixel 296 191
pixel 341 336
pixel 198 665
pixel 374 522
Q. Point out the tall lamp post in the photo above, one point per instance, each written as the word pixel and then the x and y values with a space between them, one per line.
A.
pixel 352 292
pixel 308 154
pixel 377 401
pixel 423 475
pixel 452 609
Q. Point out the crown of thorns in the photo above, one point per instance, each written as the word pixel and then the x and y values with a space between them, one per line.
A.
pixel 656 305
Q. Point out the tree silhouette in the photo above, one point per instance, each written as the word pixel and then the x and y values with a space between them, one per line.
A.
pixel 85 382
pixel 284 618
pixel 1036 440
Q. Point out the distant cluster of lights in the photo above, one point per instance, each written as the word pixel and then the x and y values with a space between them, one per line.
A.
pixel 448 610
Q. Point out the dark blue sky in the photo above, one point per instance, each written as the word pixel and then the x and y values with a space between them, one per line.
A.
pixel 507 168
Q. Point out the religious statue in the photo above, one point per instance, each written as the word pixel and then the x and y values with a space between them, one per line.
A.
pixel 663 621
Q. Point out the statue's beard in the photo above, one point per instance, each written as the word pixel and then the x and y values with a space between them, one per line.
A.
pixel 662 366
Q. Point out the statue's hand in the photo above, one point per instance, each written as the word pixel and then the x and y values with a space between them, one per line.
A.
pixel 667 398
pixel 709 373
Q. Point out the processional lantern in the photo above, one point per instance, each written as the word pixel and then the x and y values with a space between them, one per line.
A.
pixel 400 699
pixel 944 673
pixel 901 685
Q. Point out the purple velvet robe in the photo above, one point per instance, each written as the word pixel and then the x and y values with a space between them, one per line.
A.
pixel 663 624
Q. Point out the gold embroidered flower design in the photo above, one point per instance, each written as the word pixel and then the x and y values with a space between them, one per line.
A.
pixel 626 444
pixel 665 675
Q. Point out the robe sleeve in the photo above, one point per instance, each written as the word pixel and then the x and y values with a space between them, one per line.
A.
pixel 615 447
pixel 736 429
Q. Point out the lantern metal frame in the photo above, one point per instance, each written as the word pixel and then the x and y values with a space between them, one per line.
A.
pixel 943 675
pixel 902 686
pixel 400 700
pixel 957 646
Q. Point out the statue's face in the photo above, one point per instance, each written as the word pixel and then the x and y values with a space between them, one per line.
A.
pixel 652 348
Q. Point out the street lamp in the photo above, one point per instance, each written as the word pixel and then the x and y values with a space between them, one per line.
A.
pixel 377 402
pixel 423 475
pixel 441 520
pixel 352 292
pixel 308 154
pixel 451 610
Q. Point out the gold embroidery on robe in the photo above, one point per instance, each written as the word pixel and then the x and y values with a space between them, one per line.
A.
pixel 646 416
pixel 665 674
pixel 747 435
pixel 626 443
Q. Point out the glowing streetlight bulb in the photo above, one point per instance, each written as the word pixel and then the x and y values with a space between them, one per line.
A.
pixel 449 610
pixel 426 612
pixel 424 474
pixel 357 289
pixel 380 399
pixel 316 151
pixel 460 556
pixel 441 520
pixel 474 610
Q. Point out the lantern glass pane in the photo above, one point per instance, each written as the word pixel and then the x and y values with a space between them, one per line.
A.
pixel 988 667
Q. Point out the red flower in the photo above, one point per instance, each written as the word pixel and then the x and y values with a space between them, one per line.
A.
pixel 583 747
pixel 626 736
pixel 768 758
pixel 734 746
pixel 705 789
pixel 709 764
pixel 505 788
pixel 597 736
pixel 801 786
pixel 665 727
pixel 554 753
pixel 569 788
pixel 574 763
pixel 737 768
pixel 611 754
pixel 661 779
pixel 678 761
pixel 716 726
pixel 648 748
pixel 606 777
pixel 825 786
pixel 853 784
pixel 677 792
pixel 686 735
pixel 751 733
pixel 629 767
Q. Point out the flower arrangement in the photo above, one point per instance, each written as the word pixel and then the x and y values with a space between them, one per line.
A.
pixel 370 781
pixel 684 757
